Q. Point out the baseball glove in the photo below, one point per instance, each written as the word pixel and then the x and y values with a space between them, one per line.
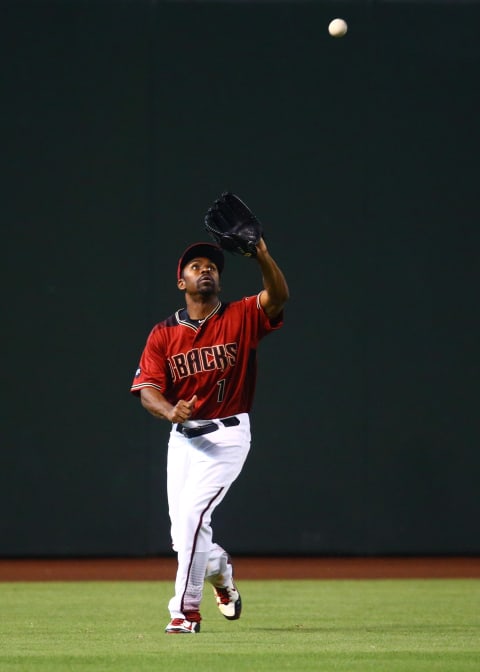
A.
pixel 233 226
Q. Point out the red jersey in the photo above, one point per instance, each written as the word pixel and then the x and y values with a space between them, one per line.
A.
pixel 215 359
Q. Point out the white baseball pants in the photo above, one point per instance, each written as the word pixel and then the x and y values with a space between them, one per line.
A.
pixel 200 472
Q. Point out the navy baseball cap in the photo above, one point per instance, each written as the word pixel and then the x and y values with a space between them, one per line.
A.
pixel 208 250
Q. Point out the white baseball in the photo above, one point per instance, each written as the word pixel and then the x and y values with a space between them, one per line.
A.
pixel 337 27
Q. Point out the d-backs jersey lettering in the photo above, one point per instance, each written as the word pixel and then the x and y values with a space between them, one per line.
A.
pixel 216 360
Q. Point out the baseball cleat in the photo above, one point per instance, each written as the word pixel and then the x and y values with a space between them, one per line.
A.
pixel 180 626
pixel 229 601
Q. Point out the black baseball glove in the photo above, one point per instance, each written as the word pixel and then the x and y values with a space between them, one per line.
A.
pixel 233 226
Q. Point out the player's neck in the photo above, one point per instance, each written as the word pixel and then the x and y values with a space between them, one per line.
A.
pixel 201 308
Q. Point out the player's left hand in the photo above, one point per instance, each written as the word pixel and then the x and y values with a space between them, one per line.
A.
pixel 233 226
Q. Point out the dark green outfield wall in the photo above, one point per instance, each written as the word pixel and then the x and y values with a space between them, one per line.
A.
pixel 121 122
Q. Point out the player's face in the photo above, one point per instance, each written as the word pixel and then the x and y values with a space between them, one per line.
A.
pixel 200 276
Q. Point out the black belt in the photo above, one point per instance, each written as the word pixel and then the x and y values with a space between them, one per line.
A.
pixel 192 432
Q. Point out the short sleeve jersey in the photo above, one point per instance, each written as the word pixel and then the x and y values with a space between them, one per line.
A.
pixel 216 360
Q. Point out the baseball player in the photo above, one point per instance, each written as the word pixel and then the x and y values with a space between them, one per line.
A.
pixel 198 372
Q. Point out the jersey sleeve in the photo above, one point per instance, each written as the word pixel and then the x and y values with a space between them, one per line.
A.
pixel 152 370
pixel 264 325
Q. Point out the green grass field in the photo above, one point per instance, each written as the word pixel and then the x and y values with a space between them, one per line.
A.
pixel 394 625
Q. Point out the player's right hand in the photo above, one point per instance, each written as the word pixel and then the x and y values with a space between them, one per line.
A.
pixel 183 410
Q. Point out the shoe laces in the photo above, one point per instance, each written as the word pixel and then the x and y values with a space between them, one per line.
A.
pixel 177 621
pixel 224 595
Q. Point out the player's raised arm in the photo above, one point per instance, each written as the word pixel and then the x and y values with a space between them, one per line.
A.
pixel 235 228
pixel 275 293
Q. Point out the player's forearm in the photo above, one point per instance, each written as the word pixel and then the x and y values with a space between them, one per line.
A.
pixel 274 281
pixel 155 403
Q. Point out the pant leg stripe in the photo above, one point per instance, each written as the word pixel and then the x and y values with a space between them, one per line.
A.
pixel 195 538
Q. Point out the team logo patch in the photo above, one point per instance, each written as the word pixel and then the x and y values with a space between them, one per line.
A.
pixel 138 372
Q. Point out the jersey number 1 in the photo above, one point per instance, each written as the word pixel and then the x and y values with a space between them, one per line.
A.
pixel 221 390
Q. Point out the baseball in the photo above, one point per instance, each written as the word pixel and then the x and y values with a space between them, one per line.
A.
pixel 337 28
